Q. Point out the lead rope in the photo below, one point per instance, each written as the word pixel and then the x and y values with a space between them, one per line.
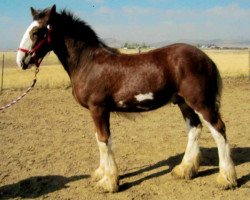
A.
pixel 23 95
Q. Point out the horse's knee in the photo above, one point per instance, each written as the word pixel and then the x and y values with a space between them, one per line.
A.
pixel 212 117
pixel 220 127
pixel 103 137
pixel 189 115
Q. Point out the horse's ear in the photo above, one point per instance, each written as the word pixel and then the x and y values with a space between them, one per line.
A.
pixel 53 9
pixel 51 12
pixel 33 12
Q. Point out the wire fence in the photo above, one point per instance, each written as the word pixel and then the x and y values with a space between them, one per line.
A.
pixel 1 88
pixel 249 65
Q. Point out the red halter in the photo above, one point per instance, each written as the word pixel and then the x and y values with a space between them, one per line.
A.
pixel 33 52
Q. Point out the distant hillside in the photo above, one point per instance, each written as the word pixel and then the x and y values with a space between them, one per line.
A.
pixel 217 42
pixel 113 42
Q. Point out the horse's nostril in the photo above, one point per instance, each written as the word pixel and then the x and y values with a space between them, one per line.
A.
pixel 26 59
pixel 24 66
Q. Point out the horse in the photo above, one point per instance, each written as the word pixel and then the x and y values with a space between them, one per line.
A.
pixel 104 80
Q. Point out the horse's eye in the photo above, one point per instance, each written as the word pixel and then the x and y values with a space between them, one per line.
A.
pixel 35 33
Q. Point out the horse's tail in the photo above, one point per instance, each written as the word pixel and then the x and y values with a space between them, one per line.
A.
pixel 218 87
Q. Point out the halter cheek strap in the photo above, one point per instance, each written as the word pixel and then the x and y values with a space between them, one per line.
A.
pixel 33 52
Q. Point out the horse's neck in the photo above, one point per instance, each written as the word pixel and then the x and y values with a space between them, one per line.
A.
pixel 73 55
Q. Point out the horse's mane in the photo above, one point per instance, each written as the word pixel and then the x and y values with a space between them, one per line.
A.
pixel 80 30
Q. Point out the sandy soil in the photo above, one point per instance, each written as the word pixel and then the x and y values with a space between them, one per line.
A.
pixel 48 149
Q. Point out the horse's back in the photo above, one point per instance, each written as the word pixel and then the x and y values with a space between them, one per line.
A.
pixel 184 64
pixel 197 77
pixel 179 69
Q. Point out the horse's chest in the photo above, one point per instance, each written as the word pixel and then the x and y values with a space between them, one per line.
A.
pixel 79 95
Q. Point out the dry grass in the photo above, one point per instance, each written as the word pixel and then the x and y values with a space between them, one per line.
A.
pixel 10 59
pixel 50 76
pixel 231 63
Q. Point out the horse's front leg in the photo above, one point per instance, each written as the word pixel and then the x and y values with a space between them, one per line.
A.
pixel 107 173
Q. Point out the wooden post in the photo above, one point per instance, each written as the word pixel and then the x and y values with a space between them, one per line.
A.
pixel 249 65
pixel 2 74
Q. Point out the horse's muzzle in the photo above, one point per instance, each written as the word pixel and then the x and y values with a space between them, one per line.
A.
pixel 27 62
pixel 24 66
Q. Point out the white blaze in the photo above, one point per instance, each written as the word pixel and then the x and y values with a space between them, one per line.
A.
pixel 25 43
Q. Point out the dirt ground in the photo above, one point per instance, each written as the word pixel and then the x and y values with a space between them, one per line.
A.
pixel 48 149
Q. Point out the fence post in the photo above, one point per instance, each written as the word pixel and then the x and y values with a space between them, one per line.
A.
pixel 249 65
pixel 2 74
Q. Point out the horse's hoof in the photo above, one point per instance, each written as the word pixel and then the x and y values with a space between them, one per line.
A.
pixel 227 182
pixel 184 171
pixel 98 174
pixel 108 184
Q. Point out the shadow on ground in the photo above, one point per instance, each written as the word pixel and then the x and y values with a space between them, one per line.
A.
pixel 34 187
pixel 209 158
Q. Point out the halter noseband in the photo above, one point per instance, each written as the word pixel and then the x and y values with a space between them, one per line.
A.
pixel 33 52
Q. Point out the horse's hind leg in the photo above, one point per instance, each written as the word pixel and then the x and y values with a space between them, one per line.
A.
pixel 189 166
pixel 107 173
pixel 227 176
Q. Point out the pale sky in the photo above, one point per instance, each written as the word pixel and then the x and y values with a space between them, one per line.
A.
pixel 137 20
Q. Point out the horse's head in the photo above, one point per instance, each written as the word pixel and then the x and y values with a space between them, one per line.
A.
pixel 36 41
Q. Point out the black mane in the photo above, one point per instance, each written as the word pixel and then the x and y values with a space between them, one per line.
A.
pixel 78 29
pixel 81 31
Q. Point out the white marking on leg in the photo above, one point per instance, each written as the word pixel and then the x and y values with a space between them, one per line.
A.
pixel 143 97
pixel 107 158
pixel 191 159
pixel 26 43
pixel 99 173
pixel 223 148
pixel 109 181
pixel 188 125
pixel 192 150
pixel 227 177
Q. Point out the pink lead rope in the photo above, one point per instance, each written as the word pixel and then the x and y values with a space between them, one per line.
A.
pixel 23 95
pixel 33 52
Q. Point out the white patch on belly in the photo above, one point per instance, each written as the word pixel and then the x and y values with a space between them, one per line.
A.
pixel 143 97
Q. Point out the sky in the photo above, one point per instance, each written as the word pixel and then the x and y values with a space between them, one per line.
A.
pixel 148 21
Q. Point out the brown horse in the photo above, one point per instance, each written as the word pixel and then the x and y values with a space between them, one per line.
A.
pixel 105 80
